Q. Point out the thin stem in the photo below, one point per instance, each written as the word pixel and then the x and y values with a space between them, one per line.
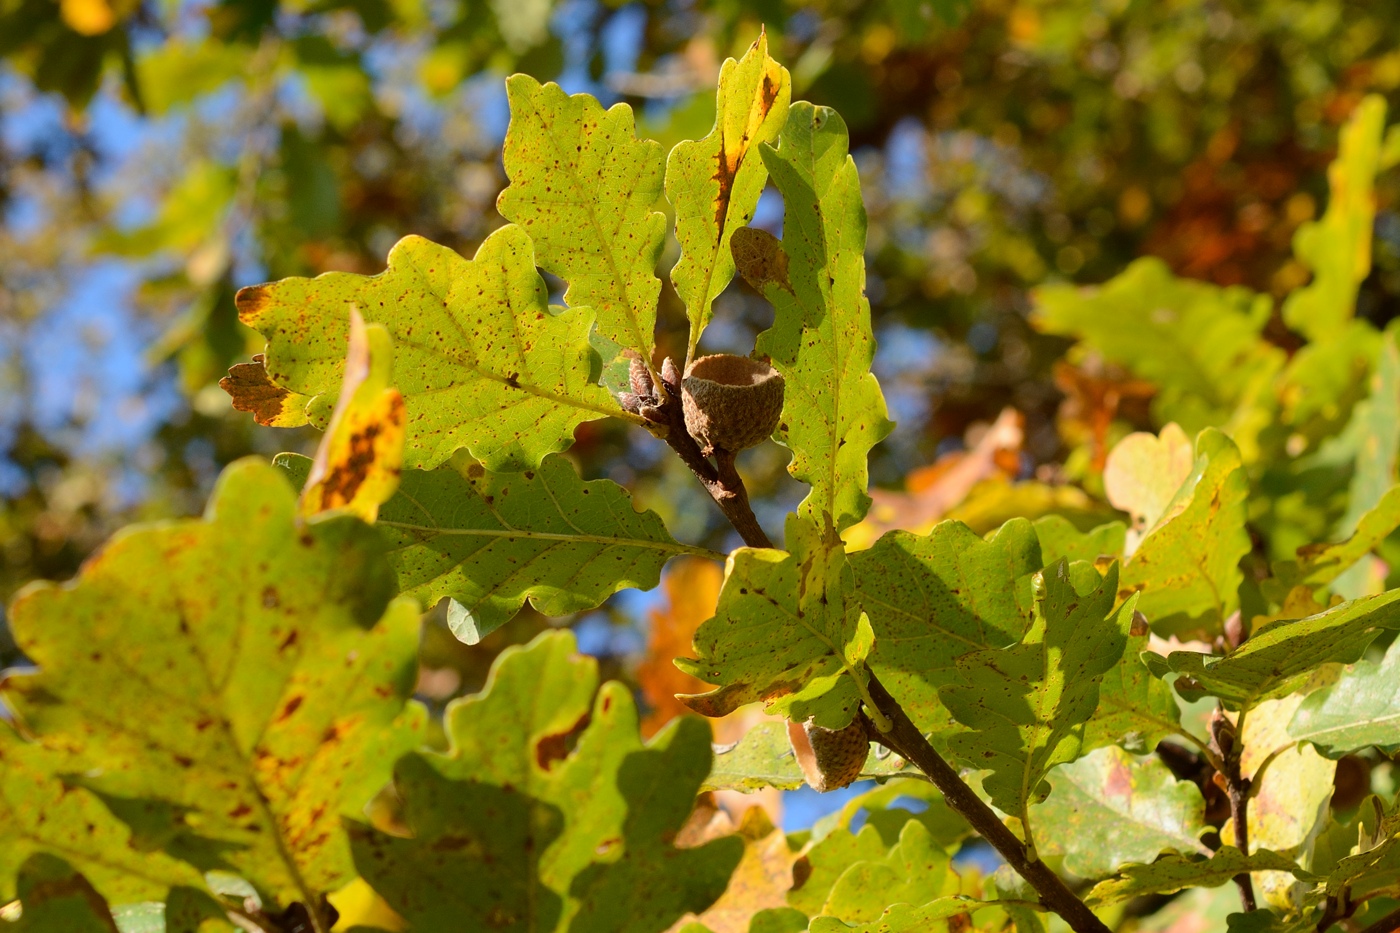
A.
pixel 906 739
pixel 1226 740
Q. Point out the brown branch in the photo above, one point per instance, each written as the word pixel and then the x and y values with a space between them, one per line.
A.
pixel 1230 750
pixel 905 739
pixel 723 483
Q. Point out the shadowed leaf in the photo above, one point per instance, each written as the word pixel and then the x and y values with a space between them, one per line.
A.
pixel 1024 704
pixel 513 830
pixel 1173 872
pixel 933 598
pixel 489 541
pixel 56 897
pixel 229 685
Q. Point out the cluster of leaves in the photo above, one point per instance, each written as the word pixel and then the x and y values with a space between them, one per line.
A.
pixel 218 729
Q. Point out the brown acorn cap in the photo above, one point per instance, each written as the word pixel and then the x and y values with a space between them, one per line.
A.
pixel 830 758
pixel 731 402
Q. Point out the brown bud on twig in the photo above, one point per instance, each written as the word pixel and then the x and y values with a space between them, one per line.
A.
pixel 830 758
pixel 731 402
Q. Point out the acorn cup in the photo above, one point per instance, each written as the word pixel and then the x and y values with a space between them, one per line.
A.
pixel 830 758
pixel 731 402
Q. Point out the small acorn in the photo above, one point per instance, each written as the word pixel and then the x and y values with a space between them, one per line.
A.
pixel 830 758
pixel 731 402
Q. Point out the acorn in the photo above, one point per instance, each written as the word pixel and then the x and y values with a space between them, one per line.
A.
pixel 830 758
pixel 731 402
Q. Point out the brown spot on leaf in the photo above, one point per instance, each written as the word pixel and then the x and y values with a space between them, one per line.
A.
pixel 552 748
pixel 291 707
pixel 252 390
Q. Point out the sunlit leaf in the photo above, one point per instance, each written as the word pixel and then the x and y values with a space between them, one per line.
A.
pixel 714 183
pixel 764 758
pixel 1143 473
pixel 585 189
pixel 804 601
pixel 359 460
pixel 482 361
pixel 1338 246
pixel 1319 564
pixel 759 884
pixel 231 686
pixel 1024 704
pixel 1187 566
pixel 1060 539
pixel 915 873
pixel 1280 657
pixel 518 827
pixel 1198 342
pixel 833 411
pixel 1361 709
pixel 490 541
pixel 1110 807
pixel 1290 787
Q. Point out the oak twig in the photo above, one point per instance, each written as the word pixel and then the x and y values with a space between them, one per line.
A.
pixel 1230 749
pixel 905 739
pixel 722 482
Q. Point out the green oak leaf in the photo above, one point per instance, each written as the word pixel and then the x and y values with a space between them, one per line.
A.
pixel 584 188
pixel 1362 709
pixel 1060 539
pixel 482 361
pixel 803 602
pixel 764 758
pixel 1266 921
pixel 1110 807
pixel 1280 657
pixel 1024 704
pixel 1375 866
pixel 489 541
pixel 56 898
pixel 40 812
pixel 1171 873
pixel 1136 708
pixel 933 598
pixel 1187 566
pixel 1199 343
pixel 833 411
pixel 714 183
pixel 913 873
pixel 1319 564
pixel 230 686
pixel 1337 247
pixel 513 829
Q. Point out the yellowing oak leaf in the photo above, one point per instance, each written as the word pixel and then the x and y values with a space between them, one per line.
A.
pixel 585 189
pixel 230 686
pixel 482 360
pixel 360 457
pixel 714 183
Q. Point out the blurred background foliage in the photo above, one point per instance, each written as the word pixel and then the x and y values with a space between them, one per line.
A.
pixel 157 154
